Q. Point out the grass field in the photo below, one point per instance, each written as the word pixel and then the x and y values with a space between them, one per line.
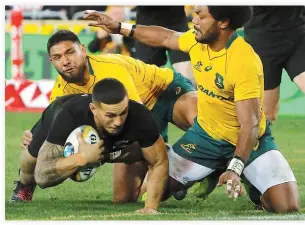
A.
pixel 91 200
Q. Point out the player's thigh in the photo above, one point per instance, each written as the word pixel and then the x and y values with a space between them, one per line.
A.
pixel 300 81
pixel 177 104
pixel 295 63
pixel 127 181
pixel 185 68
pixel 185 110
pixel 271 174
pixel 184 171
pixel 271 103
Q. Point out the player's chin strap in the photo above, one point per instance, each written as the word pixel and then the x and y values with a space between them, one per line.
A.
pixel 236 165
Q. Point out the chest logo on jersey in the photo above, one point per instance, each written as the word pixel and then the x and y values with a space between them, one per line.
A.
pixel 208 68
pixel 198 66
pixel 219 81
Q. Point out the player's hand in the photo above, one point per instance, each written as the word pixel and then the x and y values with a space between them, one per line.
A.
pixel 26 139
pixel 234 188
pixel 91 152
pixel 102 21
pixel 147 211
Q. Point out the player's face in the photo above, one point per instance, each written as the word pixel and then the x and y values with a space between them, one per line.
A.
pixel 111 117
pixel 69 59
pixel 207 30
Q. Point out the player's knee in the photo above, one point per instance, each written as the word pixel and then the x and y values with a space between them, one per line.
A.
pixel 287 207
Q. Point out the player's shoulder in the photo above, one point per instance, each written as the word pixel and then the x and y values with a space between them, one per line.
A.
pixel 139 112
pixel 187 40
pixel 242 52
pixel 109 61
pixel 73 102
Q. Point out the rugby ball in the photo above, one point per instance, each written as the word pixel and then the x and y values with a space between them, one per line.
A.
pixel 90 136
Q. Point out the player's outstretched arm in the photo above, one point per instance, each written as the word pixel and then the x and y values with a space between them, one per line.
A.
pixel 156 157
pixel 155 36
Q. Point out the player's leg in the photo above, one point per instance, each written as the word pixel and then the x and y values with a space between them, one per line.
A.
pixel 273 68
pixel 295 66
pixel 127 181
pixel 26 185
pixel 269 172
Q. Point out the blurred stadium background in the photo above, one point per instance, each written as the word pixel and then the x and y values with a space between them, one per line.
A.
pixel 29 78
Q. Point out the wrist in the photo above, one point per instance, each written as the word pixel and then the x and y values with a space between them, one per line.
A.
pixel 126 29
pixel 80 159
pixel 236 165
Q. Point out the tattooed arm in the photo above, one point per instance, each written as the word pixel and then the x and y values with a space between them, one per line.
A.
pixel 52 169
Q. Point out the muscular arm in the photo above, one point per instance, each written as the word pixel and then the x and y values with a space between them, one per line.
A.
pixel 156 36
pixel 248 114
pixel 52 169
pixel 156 157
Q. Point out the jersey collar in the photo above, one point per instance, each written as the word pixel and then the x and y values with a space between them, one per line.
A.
pixel 90 67
pixel 232 38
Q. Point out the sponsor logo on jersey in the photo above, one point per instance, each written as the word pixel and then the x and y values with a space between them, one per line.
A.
pixel 208 68
pixel 114 155
pixel 198 66
pixel 213 95
pixel 219 81
pixel 188 147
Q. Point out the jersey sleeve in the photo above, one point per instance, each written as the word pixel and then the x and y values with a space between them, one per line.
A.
pixel 148 132
pixel 61 127
pixel 57 90
pixel 249 81
pixel 187 41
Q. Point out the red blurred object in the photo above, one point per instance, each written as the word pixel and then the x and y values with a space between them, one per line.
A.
pixel 16 43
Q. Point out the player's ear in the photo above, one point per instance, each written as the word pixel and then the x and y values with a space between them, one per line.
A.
pixel 92 108
pixel 223 24
pixel 83 48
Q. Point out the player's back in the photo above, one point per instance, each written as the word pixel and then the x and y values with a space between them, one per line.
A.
pixel 150 81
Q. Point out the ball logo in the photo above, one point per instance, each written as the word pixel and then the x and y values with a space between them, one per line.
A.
pixel 92 139
pixel 69 150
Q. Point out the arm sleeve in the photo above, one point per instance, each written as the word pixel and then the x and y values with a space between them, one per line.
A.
pixel 187 41
pixel 249 82
pixel 61 127
pixel 148 132
pixel 57 90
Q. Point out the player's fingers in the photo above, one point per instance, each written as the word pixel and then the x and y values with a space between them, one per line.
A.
pixel 229 186
pixel 80 138
pixel 99 144
pixel 28 134
pixel 236 193
pixel 94 24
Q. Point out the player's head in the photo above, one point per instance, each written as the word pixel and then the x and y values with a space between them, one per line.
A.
pixel 68 55
pixel 210 21
pixel 109 105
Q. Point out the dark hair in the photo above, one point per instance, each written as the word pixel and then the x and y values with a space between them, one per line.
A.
pixel 108 91
pixel 237 15
pixel 61 35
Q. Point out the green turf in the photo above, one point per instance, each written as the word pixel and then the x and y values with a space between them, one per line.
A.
pixel 91 200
